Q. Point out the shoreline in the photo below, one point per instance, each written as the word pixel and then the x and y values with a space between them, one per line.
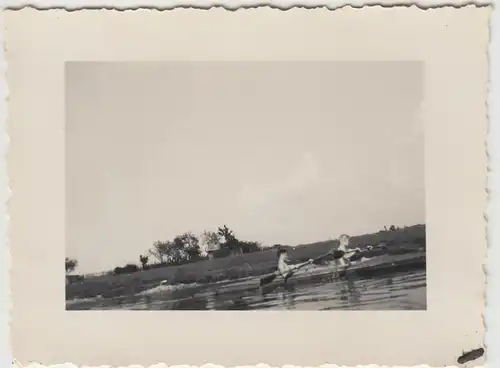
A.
pixel 139 282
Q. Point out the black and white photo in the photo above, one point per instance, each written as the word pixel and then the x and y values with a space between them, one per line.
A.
pixel 245 185
pixel 248 188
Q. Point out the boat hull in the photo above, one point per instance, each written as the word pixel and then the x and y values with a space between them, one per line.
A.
pixel 367 269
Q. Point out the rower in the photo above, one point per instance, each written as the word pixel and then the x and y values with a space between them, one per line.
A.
pixel 284 268
pixel 340 255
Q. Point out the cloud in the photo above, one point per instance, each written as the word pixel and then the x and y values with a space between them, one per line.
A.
pixel 303 176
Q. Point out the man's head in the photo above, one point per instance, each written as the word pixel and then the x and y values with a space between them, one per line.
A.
pixel 344 240
pixel 281 251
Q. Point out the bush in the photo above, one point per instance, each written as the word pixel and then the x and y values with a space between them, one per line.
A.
pixel 129 268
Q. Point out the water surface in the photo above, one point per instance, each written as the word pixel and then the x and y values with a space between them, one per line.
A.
pixel 399 291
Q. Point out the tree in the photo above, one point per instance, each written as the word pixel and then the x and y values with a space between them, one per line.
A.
pixel 71 264
pixel 184 247
pixel 225 234
pixel 160 250
pixel 189 244
pixel 144 261
pixel 228 240
pixel 175 252
pixel 210 241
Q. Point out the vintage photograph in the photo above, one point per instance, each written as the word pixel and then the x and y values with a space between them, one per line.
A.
pixel 245 186
pixel 256 167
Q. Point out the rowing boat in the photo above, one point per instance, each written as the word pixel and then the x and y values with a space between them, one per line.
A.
pixel 364 268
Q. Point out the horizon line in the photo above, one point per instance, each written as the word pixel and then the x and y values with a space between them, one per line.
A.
pixel 268 247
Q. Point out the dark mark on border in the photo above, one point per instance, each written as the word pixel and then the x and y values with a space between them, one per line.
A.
pixel 471 355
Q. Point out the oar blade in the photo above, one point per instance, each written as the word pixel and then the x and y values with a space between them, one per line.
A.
pixel 267 279
pixel 342 273
pixel 319 260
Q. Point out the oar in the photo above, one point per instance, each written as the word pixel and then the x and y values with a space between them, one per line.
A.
pixel 270 278
pixel 343 272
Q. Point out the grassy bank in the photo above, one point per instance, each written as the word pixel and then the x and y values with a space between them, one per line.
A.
pixel 401 241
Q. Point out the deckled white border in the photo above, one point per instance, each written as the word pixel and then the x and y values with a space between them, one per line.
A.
pixel 163 365
pixel 234 4
pixel 5 356
pixel 492 317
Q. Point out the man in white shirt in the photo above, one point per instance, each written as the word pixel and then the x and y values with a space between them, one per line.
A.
pixel 341 255
pixel 284 268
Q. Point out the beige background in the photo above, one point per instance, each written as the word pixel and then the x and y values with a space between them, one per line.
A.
pixel 453 45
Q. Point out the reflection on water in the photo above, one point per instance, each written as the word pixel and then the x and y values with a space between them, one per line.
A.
pixel 405 291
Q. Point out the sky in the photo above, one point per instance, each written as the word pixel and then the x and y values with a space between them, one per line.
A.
pixel 280 152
